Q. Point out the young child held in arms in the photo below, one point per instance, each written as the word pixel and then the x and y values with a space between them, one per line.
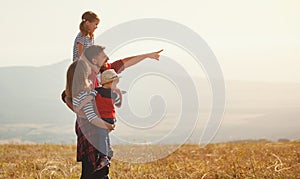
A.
pixel 110 96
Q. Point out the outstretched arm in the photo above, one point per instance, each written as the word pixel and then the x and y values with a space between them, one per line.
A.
pixel 130 61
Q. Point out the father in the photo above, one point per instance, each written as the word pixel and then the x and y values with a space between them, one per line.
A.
pixel 98 61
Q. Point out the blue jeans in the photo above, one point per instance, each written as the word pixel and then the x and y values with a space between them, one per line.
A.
pixel 104 140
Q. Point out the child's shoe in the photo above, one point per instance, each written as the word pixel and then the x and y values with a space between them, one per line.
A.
pixel 102 161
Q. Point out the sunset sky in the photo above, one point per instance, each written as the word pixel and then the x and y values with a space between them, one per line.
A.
pixel 257 40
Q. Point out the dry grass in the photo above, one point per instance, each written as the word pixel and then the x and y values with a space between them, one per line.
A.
pixel 229 160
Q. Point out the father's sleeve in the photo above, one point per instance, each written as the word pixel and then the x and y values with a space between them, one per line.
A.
pixel 118 66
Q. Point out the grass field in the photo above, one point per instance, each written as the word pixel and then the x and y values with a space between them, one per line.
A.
pixel 228 160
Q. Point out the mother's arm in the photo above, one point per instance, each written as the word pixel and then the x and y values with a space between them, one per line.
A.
pixel 102 124
pixel 93 117
pixel 95 121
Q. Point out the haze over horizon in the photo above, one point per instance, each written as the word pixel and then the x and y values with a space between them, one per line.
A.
pixel 254 110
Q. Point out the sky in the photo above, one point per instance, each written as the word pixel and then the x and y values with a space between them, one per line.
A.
pixel 257 40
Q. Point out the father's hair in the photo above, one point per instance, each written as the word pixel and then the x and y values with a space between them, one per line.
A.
pixel 92 51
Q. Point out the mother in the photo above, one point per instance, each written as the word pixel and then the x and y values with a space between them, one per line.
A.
pixel 86 151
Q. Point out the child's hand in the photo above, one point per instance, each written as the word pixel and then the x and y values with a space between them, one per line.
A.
pixel 110 127
pixel 118 91
pixel 118 100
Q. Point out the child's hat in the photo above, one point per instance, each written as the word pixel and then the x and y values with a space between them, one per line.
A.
pixel 108 76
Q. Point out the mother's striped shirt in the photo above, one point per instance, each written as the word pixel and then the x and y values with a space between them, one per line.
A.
pixel 88 109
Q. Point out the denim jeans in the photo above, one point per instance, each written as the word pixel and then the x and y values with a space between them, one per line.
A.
pixel 103 144
pixel 104 140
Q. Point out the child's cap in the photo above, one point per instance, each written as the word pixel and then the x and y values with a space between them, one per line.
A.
pixel 108 76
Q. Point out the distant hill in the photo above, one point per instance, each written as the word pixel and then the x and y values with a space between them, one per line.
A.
pixel 31 94
pixel 31 108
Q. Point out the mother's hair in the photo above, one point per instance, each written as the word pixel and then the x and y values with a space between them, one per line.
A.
pixel 70 76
